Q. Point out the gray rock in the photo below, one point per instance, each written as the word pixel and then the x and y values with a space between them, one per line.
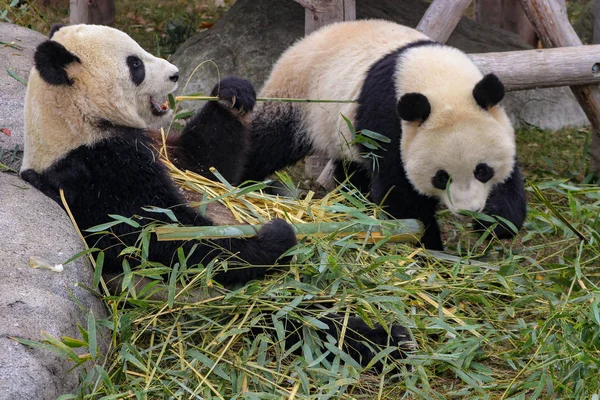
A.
pixel 17 58
pixel 35 300
pixel 249 38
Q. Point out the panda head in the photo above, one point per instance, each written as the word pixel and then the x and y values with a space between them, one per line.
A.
pixel 456 145
pixel 84 77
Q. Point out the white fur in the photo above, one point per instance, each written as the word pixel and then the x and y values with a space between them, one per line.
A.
pixel 60 118
pixel 332 63
pixel 458 134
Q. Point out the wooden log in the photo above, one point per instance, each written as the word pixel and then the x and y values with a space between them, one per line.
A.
pixel 78 11
pixel 596 12
pixel 529 69
pixel 341 10
pixel 441 18
pixel 552 25
pixel 99 12
pixel 318 6
pixel 505 14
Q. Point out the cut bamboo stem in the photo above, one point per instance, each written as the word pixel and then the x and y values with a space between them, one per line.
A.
pixel 405 230
pixel 266 99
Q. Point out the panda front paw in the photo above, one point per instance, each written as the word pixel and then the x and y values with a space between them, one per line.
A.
pixel 369 341
pixel 276 237
pixel 235 94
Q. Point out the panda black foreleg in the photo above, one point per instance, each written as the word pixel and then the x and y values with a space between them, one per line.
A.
pixel 507 200
pixel 277 140
pixel 401 201
pixel 218 135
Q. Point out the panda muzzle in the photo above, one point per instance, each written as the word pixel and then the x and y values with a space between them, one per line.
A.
pixel 159 109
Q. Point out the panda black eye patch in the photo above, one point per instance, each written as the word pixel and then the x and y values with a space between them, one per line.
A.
pixel 483 172
pixel 136 69
pixel 440 180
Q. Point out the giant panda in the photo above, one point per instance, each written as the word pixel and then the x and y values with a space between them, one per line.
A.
pixel 92 98
pixel 448 139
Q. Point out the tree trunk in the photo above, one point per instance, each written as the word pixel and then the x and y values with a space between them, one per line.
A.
pixel 316 166
pixel 505 14
pixel 99 12
pixel 441 18
pixel 596 38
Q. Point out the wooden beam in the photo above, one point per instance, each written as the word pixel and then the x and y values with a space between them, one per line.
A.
pixel 529 69
pixel 341 10
pixel 552 25
pixel 99 12
pixel 441 18
pixel 317 6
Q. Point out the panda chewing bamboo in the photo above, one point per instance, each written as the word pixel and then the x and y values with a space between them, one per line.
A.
pixel 92 98
pixel 449 139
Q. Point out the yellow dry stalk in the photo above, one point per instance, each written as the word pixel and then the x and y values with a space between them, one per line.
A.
pixel 257 206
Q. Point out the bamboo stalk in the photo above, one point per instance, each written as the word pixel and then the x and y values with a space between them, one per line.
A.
pixel 267 99
pixel 405 230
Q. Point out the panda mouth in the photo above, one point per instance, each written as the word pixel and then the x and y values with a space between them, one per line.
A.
pixel 159 109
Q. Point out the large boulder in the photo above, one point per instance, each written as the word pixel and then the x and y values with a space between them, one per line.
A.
pixel 16 57
pixel 36 300
pixel 249 38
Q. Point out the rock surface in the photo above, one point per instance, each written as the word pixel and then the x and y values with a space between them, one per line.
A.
pixel 17 58
pixel 35 300
pixel 249 38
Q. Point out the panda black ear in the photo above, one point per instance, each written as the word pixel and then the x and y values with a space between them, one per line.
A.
pixel 51 59
pixel 55 28
pixel 488 92
pixel 413 107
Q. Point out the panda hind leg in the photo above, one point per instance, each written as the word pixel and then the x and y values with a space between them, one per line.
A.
pixel 218 134
pixel 508 201
pixel 360 341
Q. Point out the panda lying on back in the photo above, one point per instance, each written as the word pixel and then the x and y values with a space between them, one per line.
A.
pixel 449 139
pixel 92 96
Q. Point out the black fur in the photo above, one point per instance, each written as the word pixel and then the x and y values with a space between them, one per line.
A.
pixel 137 70
pixel 488 92
pixel 51 59
pixel 217 136
pixel 508 201
pixel 358 335
pixel 55 28
pixel 277 141
pixel 413 107
pixel 120 175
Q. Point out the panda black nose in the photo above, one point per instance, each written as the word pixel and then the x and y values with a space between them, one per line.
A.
pixel 174 77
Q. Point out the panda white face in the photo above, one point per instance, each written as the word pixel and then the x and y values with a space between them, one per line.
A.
pixel 122 83
pixel 85 77
pixel 457 142
pixel 459 163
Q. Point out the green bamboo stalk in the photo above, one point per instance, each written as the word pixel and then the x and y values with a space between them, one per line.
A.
pixel 403 230
pixel 267 99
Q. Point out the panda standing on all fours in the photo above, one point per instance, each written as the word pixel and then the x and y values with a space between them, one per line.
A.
pixel 449 139
pixel 91 98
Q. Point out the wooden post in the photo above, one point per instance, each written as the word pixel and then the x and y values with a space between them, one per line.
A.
pixel 552 25
pixel 317 14
pixel 505 14
pixel 441 18
pixel 100 12
pixel 596 38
